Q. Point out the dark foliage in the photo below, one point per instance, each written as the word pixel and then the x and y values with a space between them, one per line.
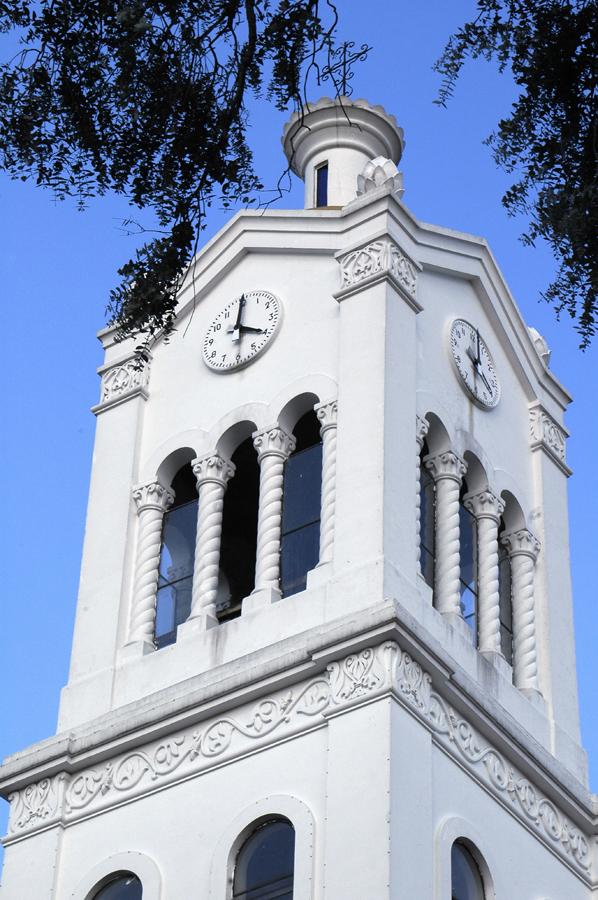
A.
pixel 147 98
pixel 550 138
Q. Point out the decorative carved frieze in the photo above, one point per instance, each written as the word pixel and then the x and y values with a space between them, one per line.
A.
pixel 548 435
pixel 377 259
pixel 383 670
pixel 123 381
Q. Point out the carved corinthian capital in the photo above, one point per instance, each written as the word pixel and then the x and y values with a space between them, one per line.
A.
pixel 212 468
pixel 153 495
pixel 273 442
pixel 521 542
pixel 484 505
pixel 446 465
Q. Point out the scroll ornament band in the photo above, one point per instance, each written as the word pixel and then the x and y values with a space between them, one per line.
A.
pixel 375 672
pixel 377 258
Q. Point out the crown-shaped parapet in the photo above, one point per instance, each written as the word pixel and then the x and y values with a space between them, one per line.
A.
pixel 342 136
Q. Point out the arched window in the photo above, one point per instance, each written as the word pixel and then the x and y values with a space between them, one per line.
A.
pixel 239 533
pixel 265 866
pixel 468 566
pixel 427 520
pixel 504 591
pixel 173 601
pixel 122 886
pixel 466 880
pixel 302 490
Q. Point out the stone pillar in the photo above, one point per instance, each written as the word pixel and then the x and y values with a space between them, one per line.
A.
pixel 213 474
pixel 273 446
pixel 487 509
pixel 421 430
pixel 326 413
pixel 152 500
pixel 523 550
pixel 447 471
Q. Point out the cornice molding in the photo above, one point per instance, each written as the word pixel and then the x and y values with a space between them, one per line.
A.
pixel 369 674
pixel 380 259
pixel 547 435
pixel 122 381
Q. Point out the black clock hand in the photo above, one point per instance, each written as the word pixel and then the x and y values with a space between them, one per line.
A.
pixel 239 313
pixel 249 328
pixel 478 338
pixel 485 380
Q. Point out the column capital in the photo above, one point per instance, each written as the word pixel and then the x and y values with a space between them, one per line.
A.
pixel 521 543
pixel 153 495
pixel 273 442
pixel 214 468
pixel 446 465
pixel 484 505
pixel 421 429
pixel 327 414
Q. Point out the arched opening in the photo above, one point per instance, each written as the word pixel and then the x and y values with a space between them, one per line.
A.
pixel 427 528
pixel 177 553
pixel 302 491
pixel 120 886
pixel 468 564
pixel 265 864
pixel 466 878
pixel 239 533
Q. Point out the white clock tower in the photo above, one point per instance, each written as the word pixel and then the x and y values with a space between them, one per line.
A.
pixel 324 643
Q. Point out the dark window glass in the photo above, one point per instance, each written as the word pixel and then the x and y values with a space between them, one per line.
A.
pixel 265 864
pixel 322 185
pixel 123 887
pixel 468 563
pixel 506 609
pixel 426 528
pixel 175 575
pixel 466 881
pixel 302 489
pixel 239 533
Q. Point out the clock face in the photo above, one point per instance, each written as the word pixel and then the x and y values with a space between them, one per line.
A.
pixel 474 364
pixel 241 330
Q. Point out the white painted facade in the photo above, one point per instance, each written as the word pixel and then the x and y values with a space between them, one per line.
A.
pixel 360 708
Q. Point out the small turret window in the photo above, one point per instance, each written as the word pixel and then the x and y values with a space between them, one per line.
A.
pixel 175 578
pixel 123 886
pixel 302 490
pixel 322 185
pixel 466 880
pixel 265 864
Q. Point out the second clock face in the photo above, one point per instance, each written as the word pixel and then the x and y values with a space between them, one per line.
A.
pixel 241 330
pixel 474 364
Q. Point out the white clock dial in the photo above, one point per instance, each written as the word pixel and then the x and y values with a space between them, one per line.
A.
pixel 242 330
pixel 474 364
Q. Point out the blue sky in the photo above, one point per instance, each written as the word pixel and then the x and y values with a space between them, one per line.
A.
pixel 57 267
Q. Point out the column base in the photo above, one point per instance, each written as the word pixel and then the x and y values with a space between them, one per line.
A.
pixel 260 598
pixel 136 649
pixel 535 697
pixel 197 625
pixel 498 661
pixel 320 575
pixel 456 621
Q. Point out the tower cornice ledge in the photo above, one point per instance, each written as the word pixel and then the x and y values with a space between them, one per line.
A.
pixel 292 687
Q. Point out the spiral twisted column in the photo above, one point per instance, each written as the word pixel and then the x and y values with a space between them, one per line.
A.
pixel 487 509
pixel 273 447
pixel 523 548
pixel 212 474
pixel 152 501
pixel 421 430
pixel 447 470
pixel 326 413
